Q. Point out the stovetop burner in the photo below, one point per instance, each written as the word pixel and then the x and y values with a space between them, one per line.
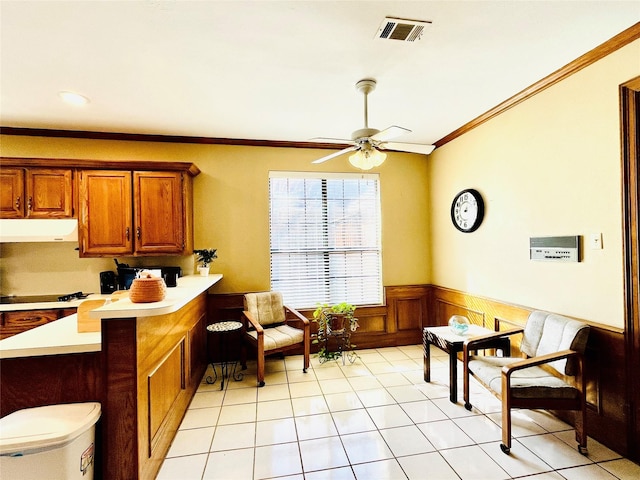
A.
pixel 12 299
pixel 72 296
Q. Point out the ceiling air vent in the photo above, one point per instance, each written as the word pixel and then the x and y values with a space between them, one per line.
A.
pixel 401 29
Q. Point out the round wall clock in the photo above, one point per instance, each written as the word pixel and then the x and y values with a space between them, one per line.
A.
pixel 467 210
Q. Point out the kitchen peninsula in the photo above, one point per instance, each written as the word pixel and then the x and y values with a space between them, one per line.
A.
pixel 143 367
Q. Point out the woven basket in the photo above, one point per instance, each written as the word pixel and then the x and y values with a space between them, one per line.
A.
pixel 147 289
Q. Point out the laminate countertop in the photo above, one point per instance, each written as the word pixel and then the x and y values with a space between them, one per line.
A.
pixel 62 337
pixel 41 305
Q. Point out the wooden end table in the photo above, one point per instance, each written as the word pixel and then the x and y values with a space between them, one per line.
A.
pixel 446 340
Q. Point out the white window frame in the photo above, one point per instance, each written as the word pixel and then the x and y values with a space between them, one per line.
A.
pixel 322 259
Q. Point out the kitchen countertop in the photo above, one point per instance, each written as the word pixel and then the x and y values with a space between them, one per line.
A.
pixel 62 337
pixel 12 307
pixel 188 288
pixel 55 338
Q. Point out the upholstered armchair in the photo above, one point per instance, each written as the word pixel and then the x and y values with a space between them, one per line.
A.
pixel 549 375
pixel 272 327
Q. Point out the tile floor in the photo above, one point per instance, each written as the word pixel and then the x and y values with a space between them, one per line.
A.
pixel 372 420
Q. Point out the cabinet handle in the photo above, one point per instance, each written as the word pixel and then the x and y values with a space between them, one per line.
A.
pixel 126 233
pixel 18 203
pixel 29 203
pixel 138 233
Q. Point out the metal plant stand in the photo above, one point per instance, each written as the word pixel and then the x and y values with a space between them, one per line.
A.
pixel 342 340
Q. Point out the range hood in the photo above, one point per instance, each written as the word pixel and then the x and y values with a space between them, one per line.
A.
pixel 37 230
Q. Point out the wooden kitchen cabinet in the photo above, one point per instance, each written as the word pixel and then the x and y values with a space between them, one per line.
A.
pixel 14 322
pixel 11 193
pixel 153 367
pixel 36 193
pixel 105 213
pixel 135 213
pixel 158 212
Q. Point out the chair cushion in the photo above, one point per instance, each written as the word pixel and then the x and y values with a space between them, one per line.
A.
pixel 548 333
pixel 532 382
pixel 266 307
pixel 280 336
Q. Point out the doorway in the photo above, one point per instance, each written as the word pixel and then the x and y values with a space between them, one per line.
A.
pixel 630 124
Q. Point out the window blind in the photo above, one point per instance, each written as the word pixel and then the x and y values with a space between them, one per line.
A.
pixel 325 238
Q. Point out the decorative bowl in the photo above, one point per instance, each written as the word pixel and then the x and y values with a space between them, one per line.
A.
pixel 459 324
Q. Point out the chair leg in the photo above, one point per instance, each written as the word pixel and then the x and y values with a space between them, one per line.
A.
pixel 260 373
pixel 506 430
pixel 307 349
pixel 581 431
pixel 307 352
pixel 505 446
pixel 581 415
pixel 260 365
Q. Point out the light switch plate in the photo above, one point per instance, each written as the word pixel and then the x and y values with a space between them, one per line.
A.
pixel 595 240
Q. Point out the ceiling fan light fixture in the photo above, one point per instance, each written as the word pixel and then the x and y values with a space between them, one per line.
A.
pixel 365 140
pixel 367 158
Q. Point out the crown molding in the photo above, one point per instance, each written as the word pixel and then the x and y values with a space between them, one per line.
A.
pixel 144 137
pixel 624 38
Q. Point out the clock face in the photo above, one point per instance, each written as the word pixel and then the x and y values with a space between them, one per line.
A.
pixel 467 210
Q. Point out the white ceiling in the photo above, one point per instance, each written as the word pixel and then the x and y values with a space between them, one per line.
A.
pixel 283 70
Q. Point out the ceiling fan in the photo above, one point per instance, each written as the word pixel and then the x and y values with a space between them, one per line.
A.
pixel 367 142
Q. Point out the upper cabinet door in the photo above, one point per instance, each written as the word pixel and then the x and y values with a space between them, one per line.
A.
pixel 11 193
pixel 159 212
pixel 105 218
pixel 36 193
pixel 49 193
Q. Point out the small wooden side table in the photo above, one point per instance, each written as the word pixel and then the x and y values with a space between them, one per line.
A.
pixel 446 340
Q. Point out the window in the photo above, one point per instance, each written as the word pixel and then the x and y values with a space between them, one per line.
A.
pixel 325 238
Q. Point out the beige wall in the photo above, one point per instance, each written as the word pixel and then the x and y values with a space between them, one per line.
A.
pixel 231 213
pixel 549 166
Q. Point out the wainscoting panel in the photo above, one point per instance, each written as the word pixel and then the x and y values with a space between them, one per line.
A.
pixel 607 415
pixel 408 308
pixel 445 310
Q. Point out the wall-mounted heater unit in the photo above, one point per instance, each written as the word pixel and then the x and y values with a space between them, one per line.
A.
pixel 555 249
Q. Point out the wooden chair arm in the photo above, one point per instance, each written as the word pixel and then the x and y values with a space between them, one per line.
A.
pixel 298 315
pixel 472 343
pixel 254 323
pixel 542 359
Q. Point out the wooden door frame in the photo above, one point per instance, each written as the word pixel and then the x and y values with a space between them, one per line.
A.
pixel 630 143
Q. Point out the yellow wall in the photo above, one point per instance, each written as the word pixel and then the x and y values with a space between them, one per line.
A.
pixel 231 213
pixel 549 166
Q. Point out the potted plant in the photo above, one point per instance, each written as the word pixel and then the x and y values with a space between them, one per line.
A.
pixel 337 322
pixel 205 257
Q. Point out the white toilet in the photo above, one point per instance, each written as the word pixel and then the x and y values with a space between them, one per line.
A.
pixel 54 442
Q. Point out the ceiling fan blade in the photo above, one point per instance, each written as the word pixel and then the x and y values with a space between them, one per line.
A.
pixel 330 140
pixel 389 133
pixel 335 154
pixel 408 147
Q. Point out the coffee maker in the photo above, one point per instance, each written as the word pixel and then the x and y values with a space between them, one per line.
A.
pixel 108 282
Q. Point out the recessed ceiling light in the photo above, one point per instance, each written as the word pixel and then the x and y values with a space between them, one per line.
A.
pixel 73 98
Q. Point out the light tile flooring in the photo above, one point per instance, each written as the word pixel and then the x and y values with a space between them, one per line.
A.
pixel 372 420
